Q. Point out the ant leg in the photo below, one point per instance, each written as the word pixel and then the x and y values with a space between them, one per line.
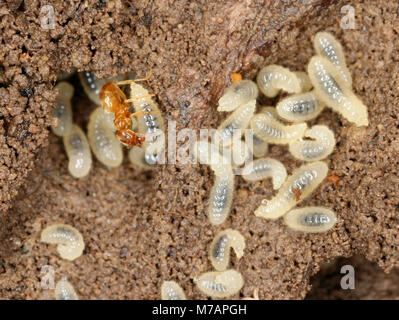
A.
pixel 139 98
pixel 146 78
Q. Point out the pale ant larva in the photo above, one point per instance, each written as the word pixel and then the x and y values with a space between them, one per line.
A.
pixel 65 291
pixel 264 168
pixel 273 131
pixel 327 46
pixel 332 89
pixel 63 109
pixel 273 78
pixel 219 250
pixel 300 107
pixel 310 219
pixel 78 150
pixel 69 240
pixel 220 284
pixel 296 188
pixel 304 81
pixel 170 290
pixel 313 150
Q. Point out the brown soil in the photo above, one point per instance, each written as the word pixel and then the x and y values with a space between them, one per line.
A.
pixel 143 228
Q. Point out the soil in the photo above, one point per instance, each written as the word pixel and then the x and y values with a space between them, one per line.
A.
pixel 143 228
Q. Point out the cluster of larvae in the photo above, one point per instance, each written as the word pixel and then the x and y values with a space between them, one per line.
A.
pixel 104 138
pixel 221 283
pixel 326 84
pixel 70 246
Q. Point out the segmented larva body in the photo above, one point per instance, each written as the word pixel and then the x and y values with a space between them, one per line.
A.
pixel 259 147
pixel 310 219
pixel 140 158
pixel 296 188
pixel 92 85
pixel 69 240
pixel 327 46
pixel 63 109
pixel 300 107
pixel 65 291
pixel 331 89
pixel 304 81
pixel 265 168
pixel 170 290
pixel 151 124
pixel 78 150
pixel 322 145
pixel 219 251
pixel 273 131
pixel 240 152
pixel 103 141
pixel 237 94
pixel 220 284
pixel 221 196
pixel 238 120
pixel 273 78
pixel 272 113
pixel 209 154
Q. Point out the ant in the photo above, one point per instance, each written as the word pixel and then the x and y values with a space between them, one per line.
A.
pixel 114 100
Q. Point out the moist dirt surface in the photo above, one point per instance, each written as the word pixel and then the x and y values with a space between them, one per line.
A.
pixel 142 228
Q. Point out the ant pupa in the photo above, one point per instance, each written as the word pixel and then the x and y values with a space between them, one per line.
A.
pixel 221 196
pixel 273 131
pixel 170 290
pixel 65 291
pixel 69 240
pixel 304 81
pixel 237 94
pixel 220 284
pixel 300 107
pixel 219 251
pixel 265 168
pixel 273 78
pixel 331 89
pixel 296 188
pixel 236 122
pixel 63 109
pixel 92 85
pixel 317 149
pixel 104 144
pixel 78 150
pixel 310 219
pixel 327 46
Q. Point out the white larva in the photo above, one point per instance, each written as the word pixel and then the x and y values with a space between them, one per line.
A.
pixel 296 188
pixel 235 124
pixel 65 291
pixel 310 219
pixel 78 151
pixel 273 131
pixel 317 149
pixel 327 46
pixel 220 284
pixel 151 124
pixel 273 78
pixel 221 196
pixel 265 168
pixel 170 290
pixel 103 141
pixel 304 81
pixel 69 240
pixel 63 109
pixel 331 89
pixel 300 107
pixel 92 85
pixel 219 250
pixel 237 94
